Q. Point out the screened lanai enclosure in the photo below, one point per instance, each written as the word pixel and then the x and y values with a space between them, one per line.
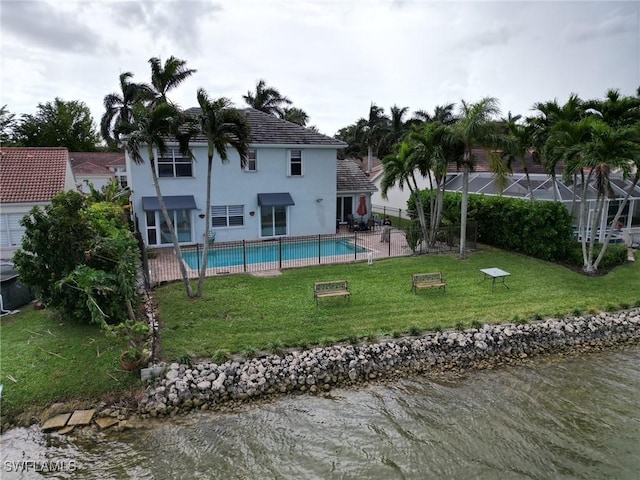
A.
pixel 569 192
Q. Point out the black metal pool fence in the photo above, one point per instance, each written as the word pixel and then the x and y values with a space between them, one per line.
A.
pixel 161 265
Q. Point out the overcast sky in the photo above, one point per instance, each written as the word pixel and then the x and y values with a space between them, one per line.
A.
pixel 331 58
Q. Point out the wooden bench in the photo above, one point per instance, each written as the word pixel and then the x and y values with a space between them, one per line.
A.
pixel 331 289
pixel 427 280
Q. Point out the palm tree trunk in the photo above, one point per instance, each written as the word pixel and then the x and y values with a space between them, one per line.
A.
pixel 207 223
pixel 463 211
pixel 169 221
pixel 615 220
pixel 369 158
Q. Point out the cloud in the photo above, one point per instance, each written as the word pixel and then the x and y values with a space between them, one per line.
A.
pixel 42 25
pixel 174 21
pixel 621 21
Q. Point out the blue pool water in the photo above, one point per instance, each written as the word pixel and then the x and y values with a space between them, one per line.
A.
pixel 270 252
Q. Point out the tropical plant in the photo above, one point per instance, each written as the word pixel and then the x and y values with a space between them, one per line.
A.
pixel 600 151
pixel 118 106
pixel 473 128
pixel 223 126
pixel 167 77
pixel 7 124
pixel 148 131
pixel 295 115
pixel 95 280
pixel 371 131
pixel 267 99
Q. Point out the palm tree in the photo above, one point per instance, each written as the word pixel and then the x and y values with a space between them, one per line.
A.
pixel 371 131
pixel 167 77
pixel 473 128
pixel 441 114
pixel 295 115
pixel 223 126
pixel 616 110
pixel 549 114
pixel 267 99
pixel 517 144
pixel 396 129
pixel 148 129
pixel 604 149
pixel 119 106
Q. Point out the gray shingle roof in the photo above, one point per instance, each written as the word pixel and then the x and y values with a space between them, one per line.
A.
pixel 267 129
pixel 352 179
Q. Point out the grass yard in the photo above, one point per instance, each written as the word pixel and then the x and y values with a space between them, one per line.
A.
pixel 52 360
pixel 243 313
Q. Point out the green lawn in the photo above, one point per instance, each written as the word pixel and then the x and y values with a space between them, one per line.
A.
pixel 242 313
pixel 53 360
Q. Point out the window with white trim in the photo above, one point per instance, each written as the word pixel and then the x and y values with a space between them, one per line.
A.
pixel 251 161
pixel 11 231
pixel 227 216
pixel 174 164
pixel 294 165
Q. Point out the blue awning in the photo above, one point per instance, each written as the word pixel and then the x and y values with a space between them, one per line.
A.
pixel 275 199
pixel 173 202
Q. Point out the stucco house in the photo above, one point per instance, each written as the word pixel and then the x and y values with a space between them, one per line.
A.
pixel 98 168
pixel 288 187
pixel 28 177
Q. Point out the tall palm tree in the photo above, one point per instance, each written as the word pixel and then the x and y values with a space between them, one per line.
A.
pixel 147 131
pixel 441 114
pixel 616 110
pixel 542 125
pixel 474 128
pixel 267 99
pixel 517 144
pixel 295 115
pixel 223 126
pixel 167 77
pixel 119 105
pixel 603 150
pixel 370 131
pixel 397 128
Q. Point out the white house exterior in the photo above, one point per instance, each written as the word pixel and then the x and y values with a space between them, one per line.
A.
pixel 30 177
pixel 288 187
pixel 98 168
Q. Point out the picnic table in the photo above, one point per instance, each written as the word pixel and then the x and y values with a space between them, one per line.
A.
pixel 494 274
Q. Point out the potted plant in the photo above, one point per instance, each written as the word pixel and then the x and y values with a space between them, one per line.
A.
pixel 130 359
pixel 138 336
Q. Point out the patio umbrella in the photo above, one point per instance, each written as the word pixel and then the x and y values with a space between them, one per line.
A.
pixel 362 206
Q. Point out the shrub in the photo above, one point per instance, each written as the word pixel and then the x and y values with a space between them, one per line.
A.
pixel 614 256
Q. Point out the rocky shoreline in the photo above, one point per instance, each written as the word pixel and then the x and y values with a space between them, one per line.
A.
pixel 183 388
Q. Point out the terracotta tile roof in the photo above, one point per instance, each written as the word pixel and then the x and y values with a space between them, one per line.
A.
pixel 32 174
pixel 88 168
pixel 482 164
pixel 271 130
pixel 103 159
pixel 352 179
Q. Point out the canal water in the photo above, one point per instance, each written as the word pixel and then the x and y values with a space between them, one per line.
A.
pixel 574 417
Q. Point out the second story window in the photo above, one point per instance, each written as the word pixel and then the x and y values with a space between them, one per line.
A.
pixel 295 163
pixel 174 164
pixel 251 162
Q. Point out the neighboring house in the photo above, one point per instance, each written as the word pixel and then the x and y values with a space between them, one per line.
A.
pixel 287 188
pixel 98 168
pixel 352 183
pixel 28 177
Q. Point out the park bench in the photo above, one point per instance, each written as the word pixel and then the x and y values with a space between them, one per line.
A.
pixel 427 280
pixel 335 288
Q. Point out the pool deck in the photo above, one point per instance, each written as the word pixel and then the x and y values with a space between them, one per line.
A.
pixel 164 266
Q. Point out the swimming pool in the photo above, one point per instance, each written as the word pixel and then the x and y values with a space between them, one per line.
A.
pixel 272 252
